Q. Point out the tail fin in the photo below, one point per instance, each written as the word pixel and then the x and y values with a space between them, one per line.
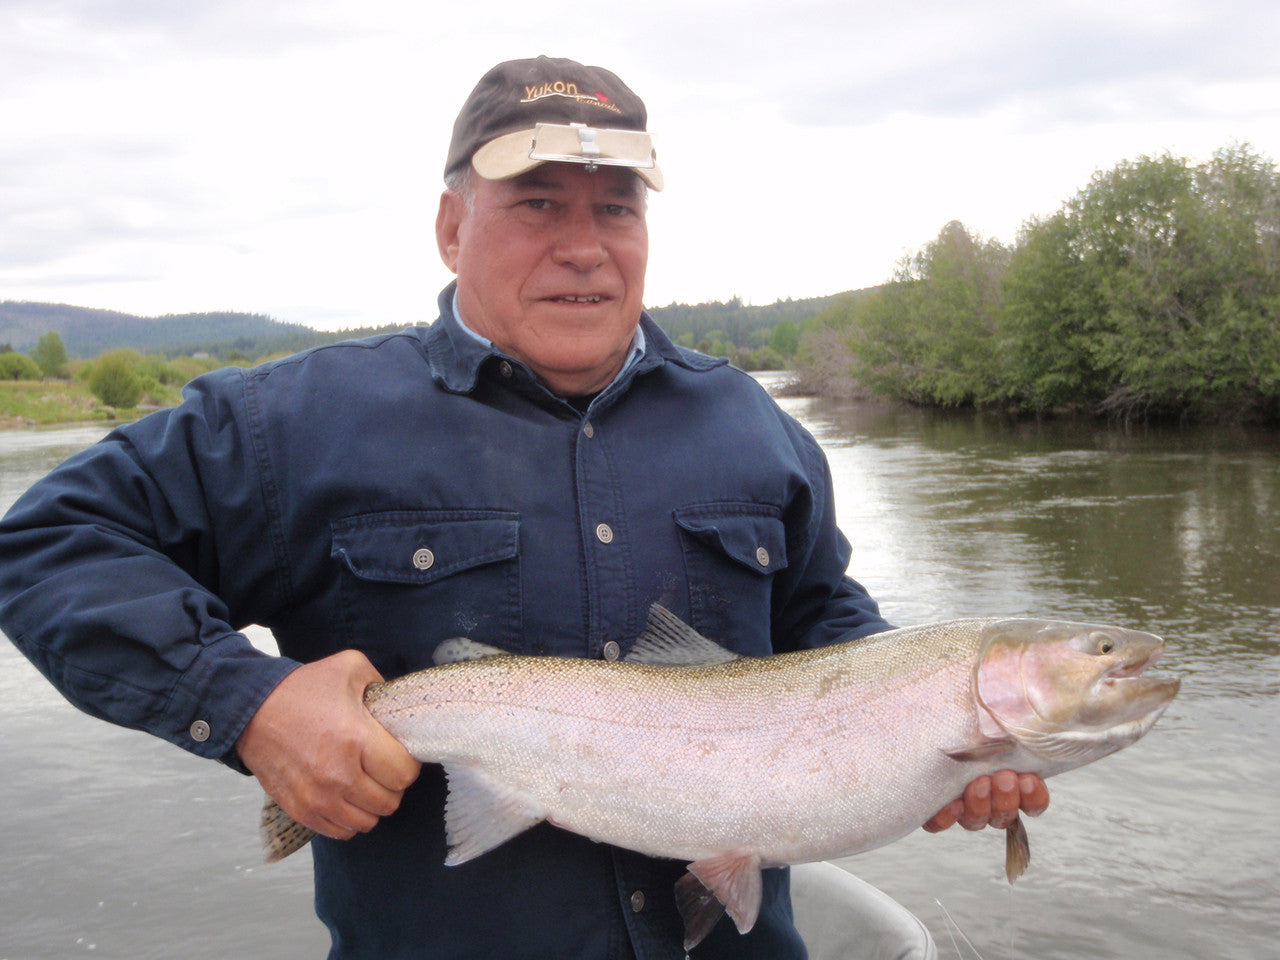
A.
pixel 281 834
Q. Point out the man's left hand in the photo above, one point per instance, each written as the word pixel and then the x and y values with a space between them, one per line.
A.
pixel 993 801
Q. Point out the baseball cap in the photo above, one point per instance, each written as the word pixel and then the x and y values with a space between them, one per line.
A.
pixel 524 113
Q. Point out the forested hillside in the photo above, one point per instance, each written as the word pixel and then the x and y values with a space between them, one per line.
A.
pixel 87 332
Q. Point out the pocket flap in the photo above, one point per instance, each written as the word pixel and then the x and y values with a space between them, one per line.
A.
pixel 420 547
pixel 751 534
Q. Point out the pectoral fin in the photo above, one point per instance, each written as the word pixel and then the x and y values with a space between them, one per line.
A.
pixel 1017 849
pixel 728 884
pixel 982 749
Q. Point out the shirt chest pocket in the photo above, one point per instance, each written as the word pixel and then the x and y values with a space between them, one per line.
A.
pixel 732 551
pixel 412 578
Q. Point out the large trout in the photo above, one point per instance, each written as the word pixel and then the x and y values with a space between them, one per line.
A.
pixel 686 750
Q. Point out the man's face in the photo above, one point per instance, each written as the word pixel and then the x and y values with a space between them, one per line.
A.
pixel 550 267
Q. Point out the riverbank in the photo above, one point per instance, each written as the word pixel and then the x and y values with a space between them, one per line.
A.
pixel 40 403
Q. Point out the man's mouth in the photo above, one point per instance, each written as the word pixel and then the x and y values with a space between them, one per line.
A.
pixel 594 298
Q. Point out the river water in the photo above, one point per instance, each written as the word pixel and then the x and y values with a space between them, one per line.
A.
pixel 115 845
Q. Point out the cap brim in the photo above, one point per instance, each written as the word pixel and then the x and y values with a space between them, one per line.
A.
pixel 515 153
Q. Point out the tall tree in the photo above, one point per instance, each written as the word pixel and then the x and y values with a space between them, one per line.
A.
pixel 930 336
pixel 50 354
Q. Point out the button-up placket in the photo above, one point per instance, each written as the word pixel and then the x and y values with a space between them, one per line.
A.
pixel 607 548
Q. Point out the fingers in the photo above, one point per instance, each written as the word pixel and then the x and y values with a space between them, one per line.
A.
pixel 977 804
pixel 945 817
pixel 368 782
pixel 385 760
pixel 319 752
pixel 1035 795
pixel 1006 799
pixel 994 801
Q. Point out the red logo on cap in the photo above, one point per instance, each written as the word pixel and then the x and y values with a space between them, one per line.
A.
pixel 601 97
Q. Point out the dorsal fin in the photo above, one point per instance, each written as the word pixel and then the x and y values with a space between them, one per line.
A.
pixel 461 648
pixel 669 641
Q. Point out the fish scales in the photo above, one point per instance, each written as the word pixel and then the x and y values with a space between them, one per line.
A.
pixel 738 763
pixel 702 759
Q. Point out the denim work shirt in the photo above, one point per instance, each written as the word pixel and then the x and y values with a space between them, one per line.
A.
pixel 308 494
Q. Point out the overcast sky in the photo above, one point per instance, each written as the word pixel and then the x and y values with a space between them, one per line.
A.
pixel 284 156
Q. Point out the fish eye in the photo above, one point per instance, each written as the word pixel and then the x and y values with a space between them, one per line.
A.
pixel 1105 645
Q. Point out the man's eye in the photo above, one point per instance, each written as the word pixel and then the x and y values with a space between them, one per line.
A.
pixel 616 210
pixel 537 203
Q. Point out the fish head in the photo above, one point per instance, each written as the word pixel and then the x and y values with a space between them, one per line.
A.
pixel 1070 692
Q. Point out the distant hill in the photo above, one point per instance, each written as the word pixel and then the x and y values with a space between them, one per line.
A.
pixel 87 331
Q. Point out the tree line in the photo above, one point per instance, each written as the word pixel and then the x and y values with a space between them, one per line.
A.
pixel 1153 292
pixel 121 378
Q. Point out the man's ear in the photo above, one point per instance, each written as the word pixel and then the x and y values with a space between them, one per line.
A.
pixel 448 221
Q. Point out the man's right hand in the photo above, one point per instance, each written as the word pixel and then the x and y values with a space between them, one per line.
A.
pixel 321 755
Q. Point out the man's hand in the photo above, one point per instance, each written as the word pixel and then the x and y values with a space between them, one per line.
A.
pixel 321 755
pixel 993 801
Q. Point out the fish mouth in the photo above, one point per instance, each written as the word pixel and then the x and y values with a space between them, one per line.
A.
pixel 1146 692
pixel 1152 690
pixel 1135 667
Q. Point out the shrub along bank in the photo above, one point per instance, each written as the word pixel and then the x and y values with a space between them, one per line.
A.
pixel 1154 292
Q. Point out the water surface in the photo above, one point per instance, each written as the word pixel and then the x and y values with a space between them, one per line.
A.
pixel 117 845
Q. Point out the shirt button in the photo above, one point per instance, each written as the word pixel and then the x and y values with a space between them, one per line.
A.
pixel 604 533
pixel 423 558
pixel 637 901
pixel 588 430
pixel 200 731
pixel 612 650
pixel 505 369
pixel 762 556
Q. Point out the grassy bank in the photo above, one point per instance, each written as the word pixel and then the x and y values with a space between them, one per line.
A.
pixel 30 403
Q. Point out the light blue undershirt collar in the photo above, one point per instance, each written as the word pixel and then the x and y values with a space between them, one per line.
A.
pixel 637 343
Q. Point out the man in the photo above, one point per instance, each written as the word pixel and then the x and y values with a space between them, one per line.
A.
pixel 532 470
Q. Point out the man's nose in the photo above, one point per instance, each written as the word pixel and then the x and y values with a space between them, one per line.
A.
pixel 579 245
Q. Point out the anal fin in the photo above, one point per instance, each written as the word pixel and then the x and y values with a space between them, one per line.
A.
pixel 728 884
pixel 482 813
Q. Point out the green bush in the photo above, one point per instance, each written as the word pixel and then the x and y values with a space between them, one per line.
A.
pixel 18 366
pixel 114 379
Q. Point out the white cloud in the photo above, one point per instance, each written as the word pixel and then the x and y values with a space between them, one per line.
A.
pixel 284 156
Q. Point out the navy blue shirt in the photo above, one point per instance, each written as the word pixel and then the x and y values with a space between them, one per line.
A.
pixel 390 493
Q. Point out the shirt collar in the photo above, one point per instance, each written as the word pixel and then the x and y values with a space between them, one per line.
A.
pixel 456 352
pixel 637 342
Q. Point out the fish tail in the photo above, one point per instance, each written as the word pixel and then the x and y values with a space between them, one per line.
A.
pixel 281 834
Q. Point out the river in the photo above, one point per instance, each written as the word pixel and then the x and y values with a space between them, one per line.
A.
pixel 116 845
